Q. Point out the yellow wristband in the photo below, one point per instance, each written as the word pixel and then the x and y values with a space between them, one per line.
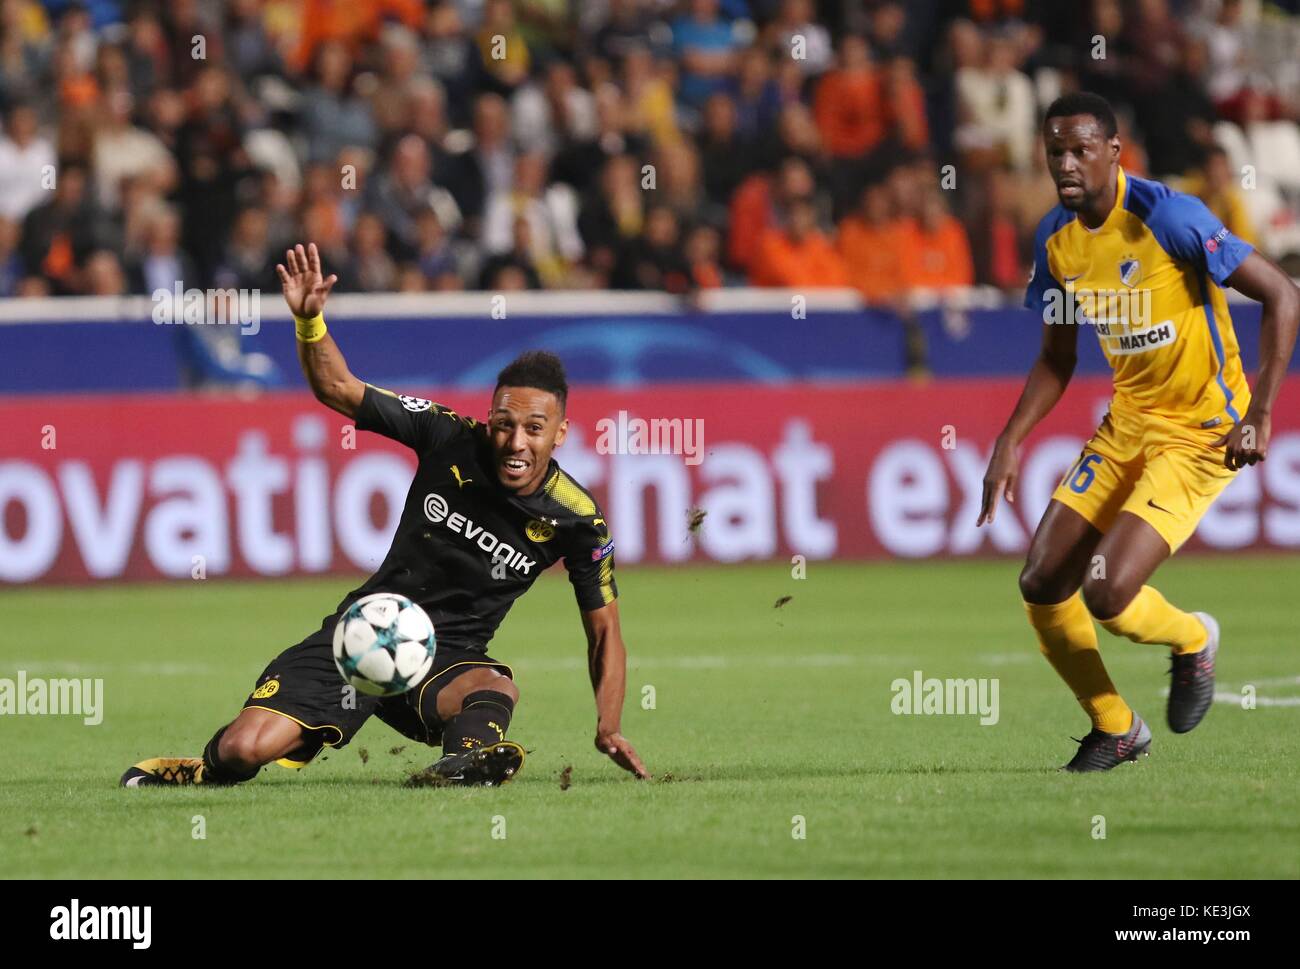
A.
pixel 310 331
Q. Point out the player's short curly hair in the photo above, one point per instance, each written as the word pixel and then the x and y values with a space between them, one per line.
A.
pixel 1084 102
pixel 539 369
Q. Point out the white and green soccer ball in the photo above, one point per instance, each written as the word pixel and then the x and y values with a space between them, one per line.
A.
pixel 384 644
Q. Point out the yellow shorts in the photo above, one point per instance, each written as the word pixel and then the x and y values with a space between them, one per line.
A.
pixel 1166 474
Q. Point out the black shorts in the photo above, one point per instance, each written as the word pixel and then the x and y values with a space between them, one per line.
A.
pixel 303 684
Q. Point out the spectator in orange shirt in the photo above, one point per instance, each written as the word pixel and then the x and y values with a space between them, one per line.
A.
pixel 798 254
pixel 868 243
pixel 906 102
pixel 703 244
pixel 349 21
pixel 754 205
pixel 849 107
pixel 934 249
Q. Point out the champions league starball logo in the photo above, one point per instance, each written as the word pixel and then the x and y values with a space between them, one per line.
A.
pixel 415 405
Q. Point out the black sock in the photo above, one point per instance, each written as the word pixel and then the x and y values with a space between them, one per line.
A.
pixel 216 772
pixel 483 719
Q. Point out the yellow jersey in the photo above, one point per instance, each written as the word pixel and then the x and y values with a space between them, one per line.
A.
pixel 1149 281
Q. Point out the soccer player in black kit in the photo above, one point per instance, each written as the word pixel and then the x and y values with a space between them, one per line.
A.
pixel 487 512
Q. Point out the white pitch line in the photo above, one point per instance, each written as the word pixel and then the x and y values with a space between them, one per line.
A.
pixel 135 669
pixel 1228 696
pixel 635 665
pixel 1260 701
pixel 1278 681
pixel 1006 659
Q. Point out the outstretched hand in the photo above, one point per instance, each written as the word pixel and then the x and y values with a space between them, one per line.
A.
pixel 616 746
pixel 305 288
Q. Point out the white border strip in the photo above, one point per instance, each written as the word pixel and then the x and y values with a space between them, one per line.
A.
pixel 557 303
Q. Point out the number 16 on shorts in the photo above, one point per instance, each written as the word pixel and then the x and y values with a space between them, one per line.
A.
pixel 1083 473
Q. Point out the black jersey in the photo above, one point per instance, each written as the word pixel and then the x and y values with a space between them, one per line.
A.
pixel 466 547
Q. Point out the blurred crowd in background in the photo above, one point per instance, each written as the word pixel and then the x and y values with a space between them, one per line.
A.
pixel 668 145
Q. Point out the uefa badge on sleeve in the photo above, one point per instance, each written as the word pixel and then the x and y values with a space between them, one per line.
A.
pixel 415 404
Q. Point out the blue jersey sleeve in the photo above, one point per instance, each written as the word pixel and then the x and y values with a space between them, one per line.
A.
pixel 1190 232
pixel 1042 282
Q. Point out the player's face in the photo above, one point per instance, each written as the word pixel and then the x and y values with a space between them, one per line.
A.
pixel 1080 157
pixel 525 426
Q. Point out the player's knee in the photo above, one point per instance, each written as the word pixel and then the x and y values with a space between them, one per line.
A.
pixel 1105 599
pixel 1036 585
pixel 248 746
pixel 506 686
pixel 238 746
pixel 488 679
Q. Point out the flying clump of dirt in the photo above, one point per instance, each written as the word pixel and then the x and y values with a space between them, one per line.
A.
pixel 695 521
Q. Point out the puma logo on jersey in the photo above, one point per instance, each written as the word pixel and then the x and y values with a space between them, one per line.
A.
pixel 460 482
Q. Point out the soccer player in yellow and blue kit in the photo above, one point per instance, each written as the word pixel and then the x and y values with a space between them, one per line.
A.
pixel 1145 266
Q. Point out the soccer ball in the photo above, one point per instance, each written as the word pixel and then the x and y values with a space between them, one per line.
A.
pixel 384 644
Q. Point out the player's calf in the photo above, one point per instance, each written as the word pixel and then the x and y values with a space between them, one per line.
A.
pixel 475 709
pixel 256 738
pixel 234 754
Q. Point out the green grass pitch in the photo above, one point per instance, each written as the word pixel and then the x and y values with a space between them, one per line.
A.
pixel 761 714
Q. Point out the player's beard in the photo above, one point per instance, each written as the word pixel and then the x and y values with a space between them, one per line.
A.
pixel 1078 202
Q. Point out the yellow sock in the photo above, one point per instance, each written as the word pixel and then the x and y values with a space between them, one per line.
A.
pixel 1149 618
pixel 1068 639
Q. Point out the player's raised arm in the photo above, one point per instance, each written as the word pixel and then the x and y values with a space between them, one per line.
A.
pixel 1266 283
pixel 607 664
pixel 1047 381
pixel 305 290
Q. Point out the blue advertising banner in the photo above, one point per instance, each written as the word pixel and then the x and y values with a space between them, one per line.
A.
pixel 611 348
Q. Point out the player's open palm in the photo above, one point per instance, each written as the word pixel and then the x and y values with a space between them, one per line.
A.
pixel 621 752
pixel 305 287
